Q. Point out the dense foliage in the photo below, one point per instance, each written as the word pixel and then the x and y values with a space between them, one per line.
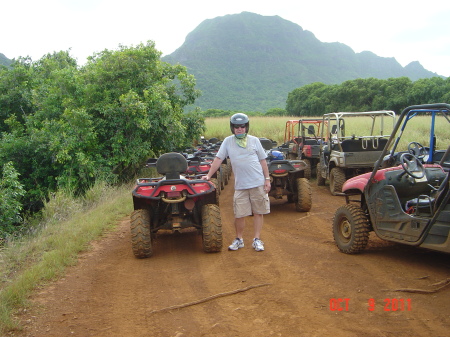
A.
pixel 369 94
pixel 11 192
pixel 64 126
pixel 228 113
pixel 249 62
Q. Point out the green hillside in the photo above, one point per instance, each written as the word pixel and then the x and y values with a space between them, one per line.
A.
pixel 4 61
pixel 251 62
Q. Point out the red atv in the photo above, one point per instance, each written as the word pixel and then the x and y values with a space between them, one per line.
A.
pixel 406 198
pixel 198 166
pixel 174 202
pixel 305 143
pixel 207 150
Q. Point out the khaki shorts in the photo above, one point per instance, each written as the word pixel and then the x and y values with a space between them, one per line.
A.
pixel 251 201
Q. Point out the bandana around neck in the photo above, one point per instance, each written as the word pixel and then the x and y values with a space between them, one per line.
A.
pixel 241 140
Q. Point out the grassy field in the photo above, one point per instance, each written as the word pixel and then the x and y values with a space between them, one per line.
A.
pixel 67 227
pixel 274 128
pixel 269 127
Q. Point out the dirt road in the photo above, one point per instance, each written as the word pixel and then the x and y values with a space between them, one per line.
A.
pixel 299 286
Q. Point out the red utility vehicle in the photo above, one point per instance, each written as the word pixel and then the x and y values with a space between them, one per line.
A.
pixel 406 198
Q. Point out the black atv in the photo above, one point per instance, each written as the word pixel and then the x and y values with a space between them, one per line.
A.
pixel 287 178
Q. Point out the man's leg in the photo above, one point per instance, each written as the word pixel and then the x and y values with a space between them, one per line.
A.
pixel 257 224
pixel 242 208
pixel 258 220
pixel 239 224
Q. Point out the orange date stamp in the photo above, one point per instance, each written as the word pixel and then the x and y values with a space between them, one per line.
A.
pixel 388 304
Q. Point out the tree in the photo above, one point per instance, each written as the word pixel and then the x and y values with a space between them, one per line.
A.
pixel 136 102
pixel 11 192
pixel 276 112
pixel 366 94
pixel 429 90
pixel 66 126
pixel 395 94
pixel 16 84
pixel 306 100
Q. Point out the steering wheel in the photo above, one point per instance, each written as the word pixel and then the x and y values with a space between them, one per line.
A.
pixel 417 150
pixel 412 165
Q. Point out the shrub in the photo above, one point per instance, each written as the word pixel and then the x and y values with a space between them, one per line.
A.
pixel 11 193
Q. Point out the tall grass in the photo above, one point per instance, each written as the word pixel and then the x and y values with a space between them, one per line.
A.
pixel 274 128
pixel 268 127
pixel 66 228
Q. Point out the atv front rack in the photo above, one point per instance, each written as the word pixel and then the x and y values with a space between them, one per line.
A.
pixel 282 167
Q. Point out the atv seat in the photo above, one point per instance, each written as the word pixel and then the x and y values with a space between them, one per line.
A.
pixel 358 145
pixel 266 143
pixel 214 140
pixel 445 160
pixel 422 204
pixel 196 160
pixel 151 162
pixel 429 204
pixel 171 165
pixel 311 142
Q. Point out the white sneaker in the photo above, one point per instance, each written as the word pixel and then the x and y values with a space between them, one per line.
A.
pixel 236 244
pixel 258 245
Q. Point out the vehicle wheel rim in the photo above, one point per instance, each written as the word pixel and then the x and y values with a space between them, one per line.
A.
pixel 346 229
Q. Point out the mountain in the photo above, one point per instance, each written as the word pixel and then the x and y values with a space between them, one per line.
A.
pixel 250 62
pixel 4 61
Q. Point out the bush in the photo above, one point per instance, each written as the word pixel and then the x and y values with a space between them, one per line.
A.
pixel 11 193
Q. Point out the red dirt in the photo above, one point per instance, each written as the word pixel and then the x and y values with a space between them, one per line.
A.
pixel 294 284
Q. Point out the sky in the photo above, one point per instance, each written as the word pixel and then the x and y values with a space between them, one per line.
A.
pixel 407 30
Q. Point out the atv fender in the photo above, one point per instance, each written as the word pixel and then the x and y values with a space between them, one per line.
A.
pixel 360 182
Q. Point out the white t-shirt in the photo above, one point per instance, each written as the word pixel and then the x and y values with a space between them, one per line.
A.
pixel 246 164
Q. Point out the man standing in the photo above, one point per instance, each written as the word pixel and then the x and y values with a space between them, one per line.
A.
pixel 252 180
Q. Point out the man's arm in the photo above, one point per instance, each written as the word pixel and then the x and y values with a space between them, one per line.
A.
pixel 214 167
pixel 265 169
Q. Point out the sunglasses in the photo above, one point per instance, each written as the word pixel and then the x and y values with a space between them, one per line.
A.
pixel 237 126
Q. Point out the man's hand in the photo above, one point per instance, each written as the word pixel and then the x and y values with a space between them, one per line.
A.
pixel 267 186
